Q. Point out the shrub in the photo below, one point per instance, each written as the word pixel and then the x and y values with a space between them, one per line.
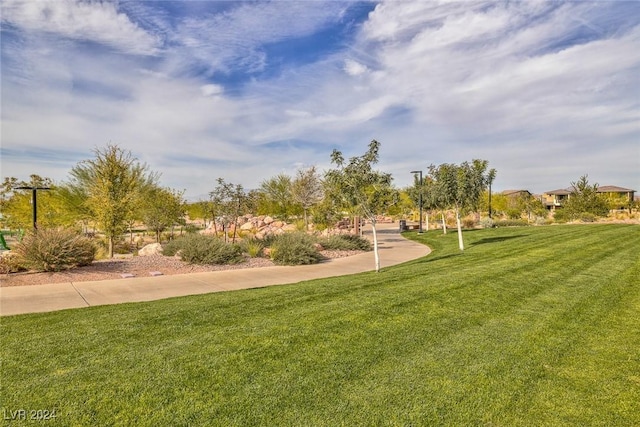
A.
pixel 513 213
pixel 487 222
pixel 561 216
pixel 587 217
pixel 540 220
pixel 10 263
pixel 55 250
pixel 200 249
pixel 511 223
pixel 468 223
pixel 253 247
pixel 346 242
pixel 191 228
pixel 294 249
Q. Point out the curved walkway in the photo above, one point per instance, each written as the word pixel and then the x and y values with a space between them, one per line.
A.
pixel 394 249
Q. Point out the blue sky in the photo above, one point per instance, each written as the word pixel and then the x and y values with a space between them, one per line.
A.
pixel 545 91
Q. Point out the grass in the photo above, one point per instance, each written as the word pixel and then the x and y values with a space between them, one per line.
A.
pixel 531 326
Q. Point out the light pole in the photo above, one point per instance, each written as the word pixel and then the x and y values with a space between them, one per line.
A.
pixel 419 201
pixel 34 201
pixel 491 177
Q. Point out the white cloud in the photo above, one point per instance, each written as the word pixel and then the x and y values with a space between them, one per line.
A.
pixel 212 89
pixel 354 68
pixel 434 81
pixel 94 21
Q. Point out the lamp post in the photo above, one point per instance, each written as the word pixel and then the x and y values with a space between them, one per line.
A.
pixel 491 177
pixel 419 201
pixel 34 201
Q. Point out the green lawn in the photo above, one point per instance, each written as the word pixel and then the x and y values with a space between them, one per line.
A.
pixel 530 326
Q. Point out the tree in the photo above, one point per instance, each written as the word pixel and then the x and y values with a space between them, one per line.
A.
pixel 277 196
pixel 360 189
pixel 109 186
pixel 584 198
pixel 199 210
pixel 16 206
pixel 162 208
pixel 459 187
pixel 227 202
pixel 306 190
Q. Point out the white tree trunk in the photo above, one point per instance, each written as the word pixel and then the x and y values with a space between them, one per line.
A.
pixel 427 221
pixel 375 246
pixel 444 224
pixel 460 242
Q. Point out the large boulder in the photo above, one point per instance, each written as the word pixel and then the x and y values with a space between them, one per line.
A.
pixel 247 226
pixel 151 249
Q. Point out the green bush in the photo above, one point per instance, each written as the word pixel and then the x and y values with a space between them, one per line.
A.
pixel 253 247
pixel 55 250
pixel 511 223
pixel 345 242
pixel 191 228
pixel 200 249
pixel 514 213
pixel 561 216
pixel 487 222
pixel 587 217
pixel 294 249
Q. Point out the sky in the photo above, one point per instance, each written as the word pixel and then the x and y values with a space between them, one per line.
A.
pixel 545 91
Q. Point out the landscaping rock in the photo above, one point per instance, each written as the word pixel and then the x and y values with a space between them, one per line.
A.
pixel 151 249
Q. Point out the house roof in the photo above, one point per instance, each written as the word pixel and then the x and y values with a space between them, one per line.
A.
pixel 510 192
pixel 560 192
pixel 601 189
pixel 614 189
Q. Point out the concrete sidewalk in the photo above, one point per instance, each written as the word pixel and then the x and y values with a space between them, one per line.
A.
pixel 394 249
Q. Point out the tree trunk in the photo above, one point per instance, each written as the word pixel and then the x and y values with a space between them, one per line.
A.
pixel 110 238
pixel 375 246
pixel 444 224
pixel 306 220
pixel 460 242
pixel 427 221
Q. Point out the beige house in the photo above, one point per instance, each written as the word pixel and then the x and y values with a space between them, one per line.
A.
pixel 554 199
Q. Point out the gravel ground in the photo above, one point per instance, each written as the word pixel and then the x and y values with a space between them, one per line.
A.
pixel 138 266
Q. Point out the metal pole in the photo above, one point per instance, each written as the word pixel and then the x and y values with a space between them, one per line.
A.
pixel 419 202
pixel 489 199
pixel 34 201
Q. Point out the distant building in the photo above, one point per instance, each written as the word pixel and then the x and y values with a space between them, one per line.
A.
pixel 516 193
pixel 554 199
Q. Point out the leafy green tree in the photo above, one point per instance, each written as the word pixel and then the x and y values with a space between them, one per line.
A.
pixel 109 186
pixel 16 206
pixel 430 197
pixel 460 187
pixel 360 189
pixel 199 210
pixel 227 202
pixel 584 198
pixel 277 197
pixel 306 190
pixel 162 208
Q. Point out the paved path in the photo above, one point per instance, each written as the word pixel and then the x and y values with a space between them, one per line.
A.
pixel 394 249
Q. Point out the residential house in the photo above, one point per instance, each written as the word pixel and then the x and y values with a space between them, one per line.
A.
pixel 624 197
pixel 554 199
